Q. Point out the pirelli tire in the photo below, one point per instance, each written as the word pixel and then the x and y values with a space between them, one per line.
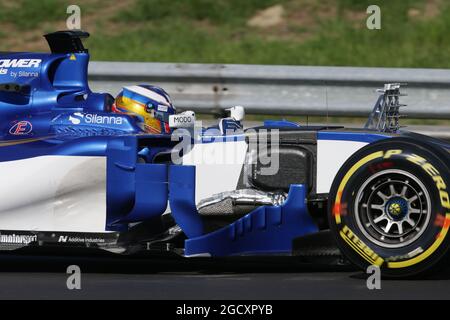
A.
pixel 389 206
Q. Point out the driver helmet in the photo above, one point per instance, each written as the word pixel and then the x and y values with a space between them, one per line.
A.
pixel 151 103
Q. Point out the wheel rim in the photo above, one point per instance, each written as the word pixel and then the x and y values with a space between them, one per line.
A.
pixel 392 208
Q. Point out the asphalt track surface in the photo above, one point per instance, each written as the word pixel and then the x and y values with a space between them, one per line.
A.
pixel 155 278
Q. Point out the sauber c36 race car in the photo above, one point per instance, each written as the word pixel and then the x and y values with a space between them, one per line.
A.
pixel 75 174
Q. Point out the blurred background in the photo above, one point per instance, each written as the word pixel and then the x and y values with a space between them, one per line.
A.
pixel 414 33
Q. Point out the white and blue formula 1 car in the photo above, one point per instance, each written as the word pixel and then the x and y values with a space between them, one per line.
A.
pixel 75 174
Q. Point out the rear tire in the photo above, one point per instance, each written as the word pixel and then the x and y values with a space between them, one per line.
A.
pixel 389 206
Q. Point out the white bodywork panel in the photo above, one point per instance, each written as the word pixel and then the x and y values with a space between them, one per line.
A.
pixel 53 193
pixel 218 166
pixel 331 155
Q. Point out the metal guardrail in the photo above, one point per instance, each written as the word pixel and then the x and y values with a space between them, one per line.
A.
pixel 280 90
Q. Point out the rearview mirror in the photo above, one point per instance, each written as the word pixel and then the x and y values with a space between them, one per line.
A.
pixel 182 120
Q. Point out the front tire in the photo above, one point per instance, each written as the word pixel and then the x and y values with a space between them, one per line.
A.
pixel 389 206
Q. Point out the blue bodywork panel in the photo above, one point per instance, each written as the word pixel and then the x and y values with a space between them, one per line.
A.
pixel 351 136
pixel 280 123
pixel 51 97
pixel 182 200
pixel 266 230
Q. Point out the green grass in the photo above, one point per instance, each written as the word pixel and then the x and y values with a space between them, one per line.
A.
pixel 28 14
pixel 333 32
pixel 215 31
pixel 221 12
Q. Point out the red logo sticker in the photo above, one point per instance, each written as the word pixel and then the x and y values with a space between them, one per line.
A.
pixel 21 128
